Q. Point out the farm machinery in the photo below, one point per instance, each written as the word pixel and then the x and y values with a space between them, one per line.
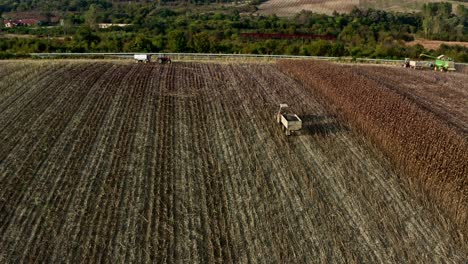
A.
pixel 415 64
pixel 163 59
pixel 146 58
pixel 289 122
pixel 142 58
pixel 440 63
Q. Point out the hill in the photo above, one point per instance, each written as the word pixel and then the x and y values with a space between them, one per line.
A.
pixel 292 7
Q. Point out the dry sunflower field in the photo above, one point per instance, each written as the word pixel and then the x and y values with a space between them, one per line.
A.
pixel 107 161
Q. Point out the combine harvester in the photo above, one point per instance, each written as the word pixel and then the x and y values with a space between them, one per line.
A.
pixel 441 63
pixel 289 122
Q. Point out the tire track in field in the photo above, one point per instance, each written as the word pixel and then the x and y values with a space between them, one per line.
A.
pixel 151 136
pixel 234 164
pixel 155 173
pixel 219 190
pixel 164 225
pixel 145 139
pixel 32 154
pixel 153 154
pixel 183 181
pixel 125 229
pixel 77 145
pixel 195 237
pixel 118 175
pixel 243 124
pixel 90 188
pixel 245 81
pixel 85 133
pixel 205 177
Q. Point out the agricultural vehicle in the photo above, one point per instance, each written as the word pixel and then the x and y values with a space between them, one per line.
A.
pixel 146 58
pixel 414 64
pixel 441 63
pixel 289 122
pixel 163 59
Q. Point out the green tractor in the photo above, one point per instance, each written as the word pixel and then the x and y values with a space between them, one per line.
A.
pixel 441 63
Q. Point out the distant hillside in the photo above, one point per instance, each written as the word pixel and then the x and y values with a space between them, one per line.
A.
pixel 81 5
pixel 292 7
pixel 402 5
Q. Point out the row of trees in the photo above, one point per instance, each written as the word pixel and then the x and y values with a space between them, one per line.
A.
pixel 439 22
pixel 83 5
pixel 369 33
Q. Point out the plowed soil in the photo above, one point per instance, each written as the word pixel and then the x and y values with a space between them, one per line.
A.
pixel 185 163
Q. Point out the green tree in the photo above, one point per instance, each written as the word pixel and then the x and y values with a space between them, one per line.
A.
pixel 462 11
pixel 202 42
pixel 85 37
pixel 91 16
pixel 142 44
pixel 177 41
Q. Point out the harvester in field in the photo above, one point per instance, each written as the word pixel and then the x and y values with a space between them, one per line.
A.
pixel 289 122
pixel 441 63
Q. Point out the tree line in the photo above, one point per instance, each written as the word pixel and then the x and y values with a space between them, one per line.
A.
pixel 360 33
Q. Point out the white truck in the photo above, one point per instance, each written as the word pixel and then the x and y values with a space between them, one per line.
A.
pixel 145 58
pixel 289 122
pixel 417 64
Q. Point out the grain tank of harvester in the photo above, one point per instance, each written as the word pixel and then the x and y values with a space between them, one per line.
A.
pixel 442 62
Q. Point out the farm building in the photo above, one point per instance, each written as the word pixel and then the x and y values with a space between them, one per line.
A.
pixel 108 25
pixel 21 22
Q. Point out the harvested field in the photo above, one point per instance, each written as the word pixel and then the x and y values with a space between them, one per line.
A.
pixel 435 44
pixel 113 162
pixel 293 7
pixel 419 118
